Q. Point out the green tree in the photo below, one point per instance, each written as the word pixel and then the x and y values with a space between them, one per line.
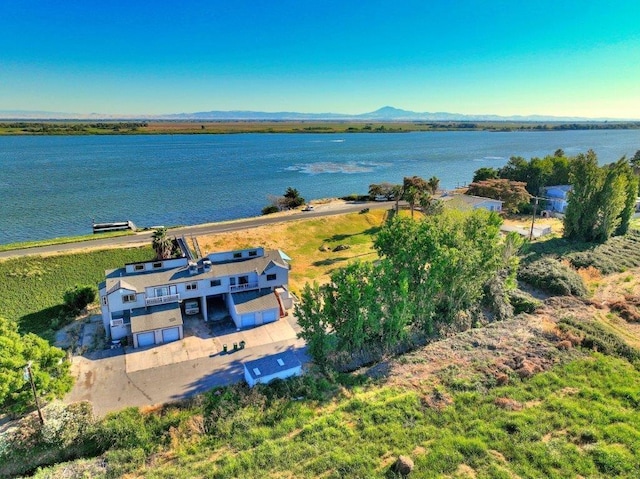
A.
pixel 315 327
pixel 599 203
pixel 161 243
pixel 484 173
pixel 49 368
pixel 292 198
pixel 77 298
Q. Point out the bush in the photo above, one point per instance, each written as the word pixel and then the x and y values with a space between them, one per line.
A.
pixel 267 210
pixel 76 299
pixel 553 277
pixel 523 302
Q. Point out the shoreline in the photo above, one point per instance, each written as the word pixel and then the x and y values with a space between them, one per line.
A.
pixel 322 208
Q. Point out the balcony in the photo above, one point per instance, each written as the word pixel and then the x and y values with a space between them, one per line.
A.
pixel 243 287
pixel 170 298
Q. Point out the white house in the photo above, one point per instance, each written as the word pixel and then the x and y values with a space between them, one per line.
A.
pixel 469 202
pixel 145 300
pixel 557 197
pixel 277 366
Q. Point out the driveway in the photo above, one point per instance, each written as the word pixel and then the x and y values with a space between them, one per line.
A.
pixel 114 379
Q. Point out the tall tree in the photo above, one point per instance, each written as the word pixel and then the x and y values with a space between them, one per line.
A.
pixel 512 193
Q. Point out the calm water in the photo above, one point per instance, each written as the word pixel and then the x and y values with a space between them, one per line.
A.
pixel 55 186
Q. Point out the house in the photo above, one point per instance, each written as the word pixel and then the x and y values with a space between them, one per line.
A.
pixel 557 197
pixel 277 366
pixel 469 202
pixel 145 301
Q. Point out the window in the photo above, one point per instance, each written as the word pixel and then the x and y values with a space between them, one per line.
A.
pixel 237 255
pixel 215 282
pixel 157 265
pixel 104 300
pixel 192 286
pixel 271 277
pixel 164 291
pixel 138 267
pixel 232 281
pixel 128 298
pixel 117 322
pixel 253 253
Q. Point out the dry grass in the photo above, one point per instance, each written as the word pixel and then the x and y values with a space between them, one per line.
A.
pixel 302 241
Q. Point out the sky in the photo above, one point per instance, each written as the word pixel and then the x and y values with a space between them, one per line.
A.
pixel 562 58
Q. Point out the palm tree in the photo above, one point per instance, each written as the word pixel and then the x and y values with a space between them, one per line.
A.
pixel 161 243
pixel 433 184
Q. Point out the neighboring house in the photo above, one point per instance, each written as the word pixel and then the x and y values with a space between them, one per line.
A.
pixel 557 197
pixel 144 300
pixel 469 202
pixel 278 366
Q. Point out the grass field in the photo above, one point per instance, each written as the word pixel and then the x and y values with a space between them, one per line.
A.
pixel 61 240
pixel 302 241
pixel 33 286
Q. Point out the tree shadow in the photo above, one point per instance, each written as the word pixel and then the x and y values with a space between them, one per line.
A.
pixel 43 322
pixel 555 246
pixel 329 261
pixel 341 237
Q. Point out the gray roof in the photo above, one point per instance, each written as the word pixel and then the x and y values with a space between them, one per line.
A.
pixel 155 317
pixel 269 364
pixel 138 281
pixel 252 301
pixel 468 200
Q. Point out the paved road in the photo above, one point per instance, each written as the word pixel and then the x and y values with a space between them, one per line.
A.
pixel 143 238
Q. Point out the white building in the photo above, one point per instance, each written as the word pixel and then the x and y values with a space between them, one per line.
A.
pixel 470 202
pixel 145 300
pixel 277 366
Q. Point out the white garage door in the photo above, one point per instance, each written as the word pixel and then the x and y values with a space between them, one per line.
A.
pixel 248 320
pixel 146 339
pixel 171 334
pixel 268 316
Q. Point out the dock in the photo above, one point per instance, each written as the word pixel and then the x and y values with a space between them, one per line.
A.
pixel 113 226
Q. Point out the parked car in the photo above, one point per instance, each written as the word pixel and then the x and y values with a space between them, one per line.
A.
pixel 191 307
pixel 307 208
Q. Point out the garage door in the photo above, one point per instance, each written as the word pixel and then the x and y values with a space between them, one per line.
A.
pixel 268 316
pixel 146 339
pixel 247 320
pixel 171 334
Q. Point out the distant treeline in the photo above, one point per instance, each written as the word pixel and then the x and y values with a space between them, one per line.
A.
pixel 51 127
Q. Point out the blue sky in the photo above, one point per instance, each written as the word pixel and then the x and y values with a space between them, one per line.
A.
pixel 508 57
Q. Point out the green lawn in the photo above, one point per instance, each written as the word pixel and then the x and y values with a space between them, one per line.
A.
pixel 32 287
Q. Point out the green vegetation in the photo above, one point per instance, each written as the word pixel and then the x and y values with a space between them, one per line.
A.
pixel 602 199
pixel 290 199
pixel 62 240
pixel 50 373
pixel 553 277
pixel 78 127
pixel 78 298
pixel 33 287
pixel 615 256
pixel 512 193
pixel 581 418
pixel 431 275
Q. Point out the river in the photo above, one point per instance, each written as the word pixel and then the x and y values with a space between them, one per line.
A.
pixel 54 186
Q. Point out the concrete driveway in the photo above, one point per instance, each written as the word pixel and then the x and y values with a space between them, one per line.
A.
pixel 115 379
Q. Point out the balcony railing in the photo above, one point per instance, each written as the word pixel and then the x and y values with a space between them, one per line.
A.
pixel 243 287
pixel 170 298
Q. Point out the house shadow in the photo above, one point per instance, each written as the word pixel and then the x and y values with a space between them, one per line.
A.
pixel 229 369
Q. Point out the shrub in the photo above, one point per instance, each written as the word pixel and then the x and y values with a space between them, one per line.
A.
pixel 267 210
pixel 523 302
pixel 553 277
pixel 77 298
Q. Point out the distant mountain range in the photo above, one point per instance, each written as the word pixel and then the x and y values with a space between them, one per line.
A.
pixel 387 113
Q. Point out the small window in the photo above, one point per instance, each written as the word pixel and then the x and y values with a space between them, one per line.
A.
pixel 138 267
pixel 271 277
pixel 253 253
pixel 232 281
pixel 104 300
pixel 157 265
pixel 237 255
pixel 117 322
pixel 128 298
pixel 192 286
pixel 215 282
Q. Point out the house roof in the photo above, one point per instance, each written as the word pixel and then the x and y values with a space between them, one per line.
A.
pixel 252 301
pixel 138 281
pixel 273 364
pixel 468 201
pixel 120 284
pixel 155 317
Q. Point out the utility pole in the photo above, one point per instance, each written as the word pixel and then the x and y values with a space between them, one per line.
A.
pixel 29 374
pixel 533 217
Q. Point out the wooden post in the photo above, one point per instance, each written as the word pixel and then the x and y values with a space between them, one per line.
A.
pixel 533 218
